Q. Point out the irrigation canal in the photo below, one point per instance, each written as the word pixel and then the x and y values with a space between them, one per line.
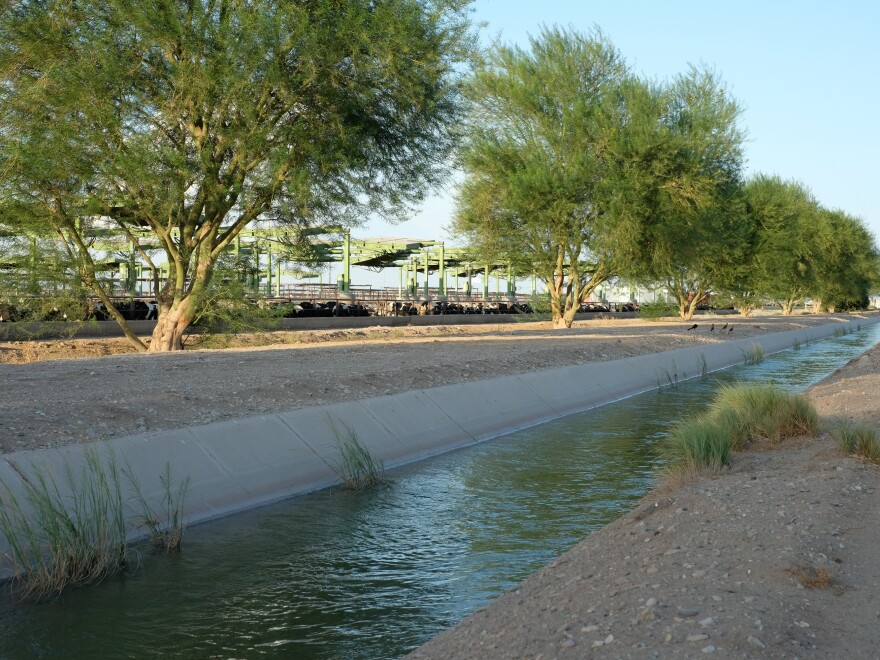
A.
pixel 372 575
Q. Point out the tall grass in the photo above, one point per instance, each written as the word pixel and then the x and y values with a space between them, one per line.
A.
pixel 166 533
pixel 73 531
pixel 857 438
pixel 739 415
pixel 355 466
pixel 65 534
pixel 754 355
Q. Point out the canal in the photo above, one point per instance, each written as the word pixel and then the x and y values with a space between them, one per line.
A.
pixel 373 575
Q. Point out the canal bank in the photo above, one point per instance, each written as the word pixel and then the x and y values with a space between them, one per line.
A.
pixel 249 462
pixel 774 558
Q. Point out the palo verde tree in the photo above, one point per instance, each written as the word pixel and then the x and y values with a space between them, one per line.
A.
pixel 845 260
pixel 785 213
pixel 536 159
pixel 687 228
pixel 189 121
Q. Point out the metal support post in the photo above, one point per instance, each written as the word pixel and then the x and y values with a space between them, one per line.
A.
pixel 345 280
pixel 427 292
pixel 486 282
pixel 441 286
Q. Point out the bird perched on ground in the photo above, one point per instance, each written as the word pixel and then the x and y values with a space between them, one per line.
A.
pixel 712 328
pixel 724 327
pixel 731 330
pixel 693 327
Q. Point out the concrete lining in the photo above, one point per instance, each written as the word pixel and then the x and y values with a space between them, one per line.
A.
pixel 244 463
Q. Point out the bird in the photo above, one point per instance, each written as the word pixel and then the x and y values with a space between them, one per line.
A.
pixel 724 327
pixel 693 327
pixel 712 328
pixel 731 330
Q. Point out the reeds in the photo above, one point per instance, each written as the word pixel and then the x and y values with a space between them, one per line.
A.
pixel 858 438
pixel 739 415
pixel 355 466
pixel 166 533
pixel 73 531
pixel 755 354
pixel 65 534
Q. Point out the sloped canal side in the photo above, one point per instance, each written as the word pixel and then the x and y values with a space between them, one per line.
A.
pixel 372 575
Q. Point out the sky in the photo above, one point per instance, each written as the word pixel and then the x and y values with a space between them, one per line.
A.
pixel 806 73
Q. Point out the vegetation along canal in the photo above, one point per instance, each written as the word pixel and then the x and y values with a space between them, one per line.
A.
pixel 374 574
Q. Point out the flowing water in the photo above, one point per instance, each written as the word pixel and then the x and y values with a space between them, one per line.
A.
pixel 374 574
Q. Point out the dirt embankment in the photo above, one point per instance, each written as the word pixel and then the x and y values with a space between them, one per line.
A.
pixel 108 391
pixel 776 558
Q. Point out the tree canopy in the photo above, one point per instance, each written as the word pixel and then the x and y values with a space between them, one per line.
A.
pixel 194 120
pixel 581 171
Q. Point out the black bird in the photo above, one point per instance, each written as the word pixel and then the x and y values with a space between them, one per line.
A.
pixel 712 329
pixel 693 327
pixel 724 327
pixel 731 330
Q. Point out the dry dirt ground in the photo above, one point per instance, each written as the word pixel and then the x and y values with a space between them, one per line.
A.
pixel 775 558
pixel 101 389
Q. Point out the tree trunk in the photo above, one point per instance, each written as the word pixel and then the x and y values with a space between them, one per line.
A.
pixel 169 330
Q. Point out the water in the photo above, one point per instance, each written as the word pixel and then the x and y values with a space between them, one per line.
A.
pixel 372 575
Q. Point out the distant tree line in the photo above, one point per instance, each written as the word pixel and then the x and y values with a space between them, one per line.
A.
pixel 578 170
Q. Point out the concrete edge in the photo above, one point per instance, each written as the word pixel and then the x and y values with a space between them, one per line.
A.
pixel 241 464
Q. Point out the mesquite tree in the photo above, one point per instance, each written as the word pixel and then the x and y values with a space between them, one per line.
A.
pixel 194 119
pixel 536 161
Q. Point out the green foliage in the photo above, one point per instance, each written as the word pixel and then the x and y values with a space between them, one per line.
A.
pixel 355 466
pixel 72 531
pixel 165 532
pixel 698 444
pixel 536 162
pixel 739 415
pixel 857 438
pixel 183 123
pixel 67 533
pixel 754 355
pixel 657 310
pixel 685 222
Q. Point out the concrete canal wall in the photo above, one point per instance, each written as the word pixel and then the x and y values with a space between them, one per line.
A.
pixel 245 463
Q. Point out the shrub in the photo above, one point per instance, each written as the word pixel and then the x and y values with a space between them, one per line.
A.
pixel 355 466
pixel 739 415
pixel 859 439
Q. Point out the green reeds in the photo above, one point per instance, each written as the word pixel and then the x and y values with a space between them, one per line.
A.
pixel 739 415
pixel 857 438
pixel 166 533
pixel 72 531
pixel 755 354
pixel 355 466
pixel 65 534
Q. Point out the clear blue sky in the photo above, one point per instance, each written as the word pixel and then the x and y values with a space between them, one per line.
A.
pixel 807 74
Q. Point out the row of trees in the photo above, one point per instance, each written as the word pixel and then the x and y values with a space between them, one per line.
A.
pixel 580 171
pixel 193 120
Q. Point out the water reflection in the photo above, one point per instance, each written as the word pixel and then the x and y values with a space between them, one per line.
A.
pixel 373 575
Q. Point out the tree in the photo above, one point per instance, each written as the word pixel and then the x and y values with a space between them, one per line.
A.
pixel 193 120
pixel 537 160
pixel 687 225
pixel 845 260
pixel 785 214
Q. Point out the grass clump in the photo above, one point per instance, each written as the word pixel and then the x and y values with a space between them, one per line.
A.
pixel 739 415
pixel 657 310
pixel 166 533
pixel 68 533
pixel 72 531
pixel 355 466
pixel 858 439
pixel 755 354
